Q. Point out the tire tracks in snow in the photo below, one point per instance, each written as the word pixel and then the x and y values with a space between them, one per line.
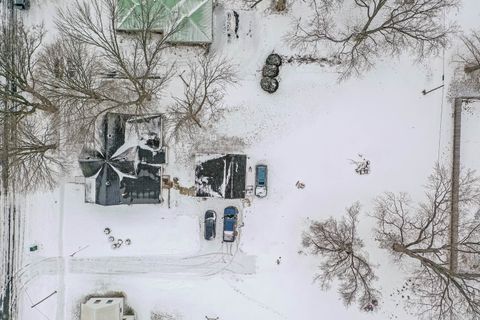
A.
pixel 201 265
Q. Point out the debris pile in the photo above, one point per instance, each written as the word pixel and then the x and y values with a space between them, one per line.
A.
pixel 362 166
pixel 116 243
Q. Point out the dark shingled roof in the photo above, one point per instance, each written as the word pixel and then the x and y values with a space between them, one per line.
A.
pixel 221 176
pixel 131 175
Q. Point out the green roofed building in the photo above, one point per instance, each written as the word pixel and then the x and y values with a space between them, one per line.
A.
pixel 192 19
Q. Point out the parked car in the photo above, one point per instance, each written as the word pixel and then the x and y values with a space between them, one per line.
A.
pixel 230 215
pixel 22 4
pixel 210 224
pixel 261 180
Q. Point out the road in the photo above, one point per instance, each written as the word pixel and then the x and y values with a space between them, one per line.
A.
pixel 10 218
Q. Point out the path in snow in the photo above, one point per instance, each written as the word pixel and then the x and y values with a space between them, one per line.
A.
pixel 199 265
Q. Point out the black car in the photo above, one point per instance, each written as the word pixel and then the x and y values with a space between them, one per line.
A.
pixel 22 4
pixel 210 223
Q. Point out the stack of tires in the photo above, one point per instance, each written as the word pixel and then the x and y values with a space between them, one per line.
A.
pixel 270 71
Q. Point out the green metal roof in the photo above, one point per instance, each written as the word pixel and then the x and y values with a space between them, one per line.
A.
pixel 194 20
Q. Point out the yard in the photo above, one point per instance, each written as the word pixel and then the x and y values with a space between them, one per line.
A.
pixel 311 130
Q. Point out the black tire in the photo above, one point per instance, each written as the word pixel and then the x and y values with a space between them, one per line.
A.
pixel 274 59
pixel 270 71
pixel 269 85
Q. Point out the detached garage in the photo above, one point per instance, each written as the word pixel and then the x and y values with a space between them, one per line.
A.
pixel 220 175
pixel 104 308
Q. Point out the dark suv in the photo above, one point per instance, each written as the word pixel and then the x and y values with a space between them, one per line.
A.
pixel 210 223
pixel 230 215
pixel 22 4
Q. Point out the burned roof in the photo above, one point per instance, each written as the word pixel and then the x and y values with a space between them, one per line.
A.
pixel 125 162
pixel 221 176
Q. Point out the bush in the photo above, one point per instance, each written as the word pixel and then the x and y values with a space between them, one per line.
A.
pixel 163 316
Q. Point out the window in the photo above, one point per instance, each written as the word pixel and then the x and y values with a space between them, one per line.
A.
pixel 97 301
pixel 109 301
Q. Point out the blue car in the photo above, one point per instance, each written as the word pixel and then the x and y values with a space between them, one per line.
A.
pixel 230 215
pixel 261 180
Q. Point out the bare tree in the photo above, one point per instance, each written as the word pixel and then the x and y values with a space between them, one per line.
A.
pixel 203 90
pixel 470 56
pixel 66 86
pixel 420 237
pixel 34 158
pixel 343 258
pixel 20 53
pixel 95 68
pixel 27 158
pixel 359 32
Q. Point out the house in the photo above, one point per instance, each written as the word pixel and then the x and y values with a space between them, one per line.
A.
pixel 103 308
pixel 192 19
pixel 125 163
pixel 220 175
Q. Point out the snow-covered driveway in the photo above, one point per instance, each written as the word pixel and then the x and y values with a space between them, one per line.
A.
pixel 201 265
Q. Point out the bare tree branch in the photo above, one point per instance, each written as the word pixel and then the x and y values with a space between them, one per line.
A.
pixel 343 258
pixel 203 90
pixel 421 233
pixel 373 29
pixel 471 55
pixel 61 89
pixel 21 70
pixel 35 160
pixel 94 68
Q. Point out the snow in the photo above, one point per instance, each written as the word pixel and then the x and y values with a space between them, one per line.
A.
pixel 308 130
pixel 166 232
pixel 470 135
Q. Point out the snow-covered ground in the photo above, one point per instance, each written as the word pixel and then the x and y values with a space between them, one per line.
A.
pixel 309 130
pixel 470 136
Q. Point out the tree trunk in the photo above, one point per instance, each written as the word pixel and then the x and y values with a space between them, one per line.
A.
pixel 280 5
pixel 471 68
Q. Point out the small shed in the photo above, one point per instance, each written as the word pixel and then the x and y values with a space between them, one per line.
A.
pixel 104 308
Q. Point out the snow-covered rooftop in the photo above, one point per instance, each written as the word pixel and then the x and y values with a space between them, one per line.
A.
pixel 125 166
pixel 192 18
